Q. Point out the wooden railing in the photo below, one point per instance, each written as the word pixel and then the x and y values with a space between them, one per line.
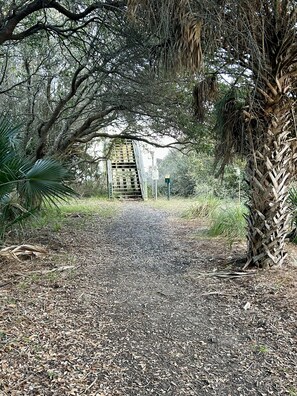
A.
pixel 140 168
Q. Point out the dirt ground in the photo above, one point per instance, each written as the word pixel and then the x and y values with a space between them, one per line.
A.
pixel 149 306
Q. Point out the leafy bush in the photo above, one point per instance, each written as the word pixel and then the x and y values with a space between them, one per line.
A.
pixel 25 185
pixel 92 188
pixel 193 175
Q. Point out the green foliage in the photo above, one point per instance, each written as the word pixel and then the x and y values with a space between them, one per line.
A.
pixel 92 188
pixel 227 218
pixel 50 218
pixel 261 348
pixel 229 221
pixel 43 182
pixel 25 185
pixel 204 207
pixel 183 170
pixel 182 179
pixel 55 216
pixel 87 206
pixel 193 175
pixel 292 391
pixel 90 169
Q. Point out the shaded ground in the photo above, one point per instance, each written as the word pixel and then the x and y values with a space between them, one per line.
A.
pixel 140 314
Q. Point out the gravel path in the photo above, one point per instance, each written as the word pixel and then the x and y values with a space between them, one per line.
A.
pixel 136 320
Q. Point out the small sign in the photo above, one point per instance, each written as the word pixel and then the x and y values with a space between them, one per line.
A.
pixel 155 173
pixel 167 179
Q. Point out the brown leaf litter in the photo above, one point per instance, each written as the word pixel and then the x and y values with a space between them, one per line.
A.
pixel 131 313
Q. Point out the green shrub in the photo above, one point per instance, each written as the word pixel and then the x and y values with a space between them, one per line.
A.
pixel 92 188
pixel 26 185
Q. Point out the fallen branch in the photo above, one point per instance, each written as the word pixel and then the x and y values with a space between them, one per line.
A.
pixel 225 274
pixel 234 274
pixel 90 386
pixel 5 284
pixel 24 251
pixel 58 269
pixel 216 293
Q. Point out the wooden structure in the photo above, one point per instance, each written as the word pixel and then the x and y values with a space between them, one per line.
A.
pixel 125 170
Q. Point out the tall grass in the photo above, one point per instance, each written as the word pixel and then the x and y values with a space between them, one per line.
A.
pixel 229 222
pixel 226 218
pixel 204 207
pixel 99 206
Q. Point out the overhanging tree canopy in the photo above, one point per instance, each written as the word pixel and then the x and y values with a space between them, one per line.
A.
pixel 70 70
pixel 259 36
pixel 23 18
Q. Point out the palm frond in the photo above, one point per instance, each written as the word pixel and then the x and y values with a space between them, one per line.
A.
pixel 43 183
pixel 25 186
pixel 229 129
pixel 47 169
pixel 8 140
pixel 11 212
pixel 10 173
pixel 204 92
pixel 180 32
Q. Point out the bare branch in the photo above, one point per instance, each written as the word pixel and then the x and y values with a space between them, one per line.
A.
pixel 130 136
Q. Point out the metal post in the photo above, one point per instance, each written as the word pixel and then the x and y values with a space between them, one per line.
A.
pixel 168 190
pixel 153 164
pixel 145 194
pixel 109 179
pixel 155 177
pixel 167 181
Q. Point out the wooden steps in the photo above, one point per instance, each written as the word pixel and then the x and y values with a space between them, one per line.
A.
pixel 123 171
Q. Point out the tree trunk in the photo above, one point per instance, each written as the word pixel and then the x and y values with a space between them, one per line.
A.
pixel 269 176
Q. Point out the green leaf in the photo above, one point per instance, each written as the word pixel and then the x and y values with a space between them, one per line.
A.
pixel 25 186
pixel 47 169
pixel 43 183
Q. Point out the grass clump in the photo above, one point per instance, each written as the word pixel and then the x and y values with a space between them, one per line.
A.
pixel 229 222
pixel 89 206
pixel 226 218
pixel 204 207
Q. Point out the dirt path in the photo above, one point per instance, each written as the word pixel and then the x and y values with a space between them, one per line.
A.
pixel 136 317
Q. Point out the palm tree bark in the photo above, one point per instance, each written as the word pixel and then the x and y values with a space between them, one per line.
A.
pixel 269 175
pixel 259 36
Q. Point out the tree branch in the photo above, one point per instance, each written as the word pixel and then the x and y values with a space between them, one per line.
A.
pixel 19 13
pixel 128 136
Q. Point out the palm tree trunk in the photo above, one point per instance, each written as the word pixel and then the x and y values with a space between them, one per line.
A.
pixel 269 175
